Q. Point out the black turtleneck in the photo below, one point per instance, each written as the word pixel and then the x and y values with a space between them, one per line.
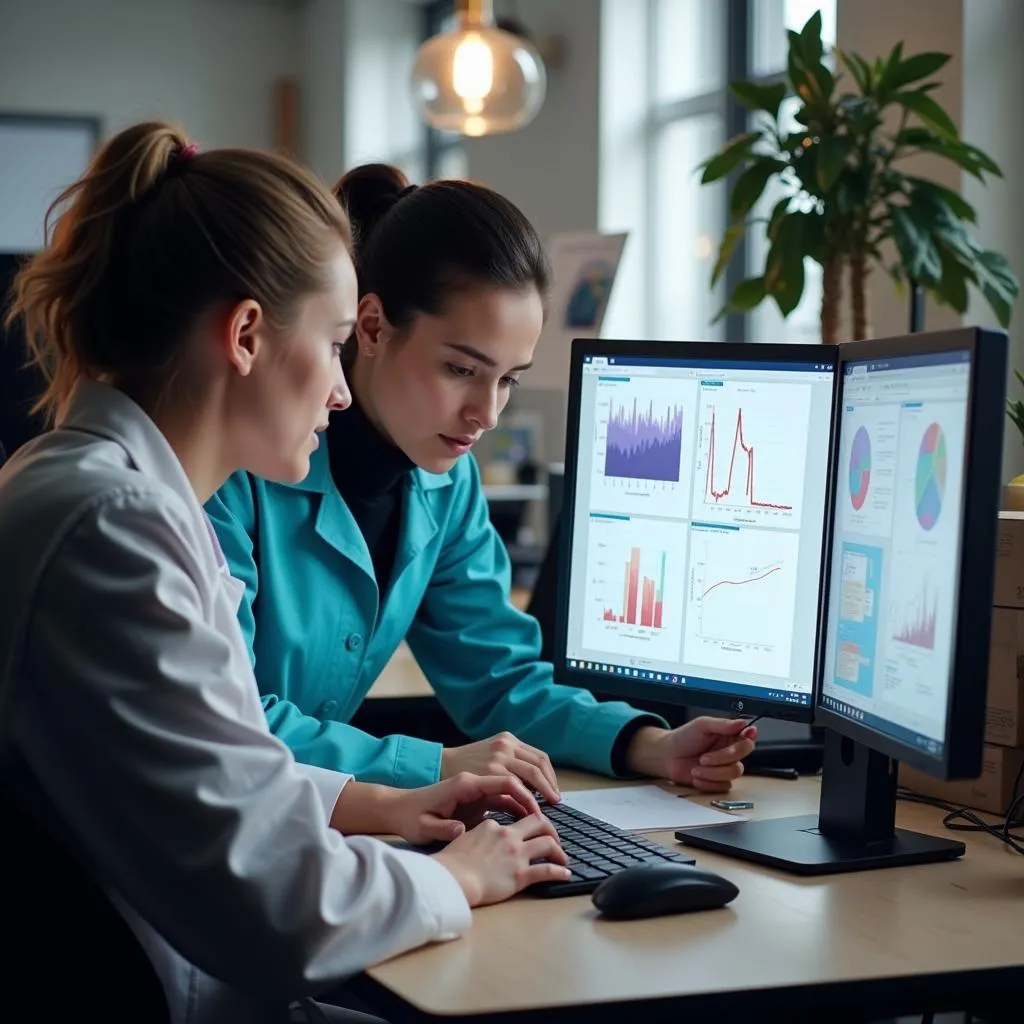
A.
pixel 370 474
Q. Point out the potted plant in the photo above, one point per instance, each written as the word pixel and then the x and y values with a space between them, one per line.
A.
pixel 847 189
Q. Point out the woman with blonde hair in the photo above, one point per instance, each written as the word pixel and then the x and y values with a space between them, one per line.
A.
pixel 188 312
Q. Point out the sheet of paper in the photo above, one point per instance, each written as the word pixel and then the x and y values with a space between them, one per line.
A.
pixel 645 808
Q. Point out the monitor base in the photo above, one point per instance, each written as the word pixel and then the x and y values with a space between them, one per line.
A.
pixel 798 846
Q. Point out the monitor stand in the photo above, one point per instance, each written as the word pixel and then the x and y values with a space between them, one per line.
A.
pixel 854 829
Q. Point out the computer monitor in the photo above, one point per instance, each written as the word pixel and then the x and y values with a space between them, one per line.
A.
pixel 908 586
pixel 693 523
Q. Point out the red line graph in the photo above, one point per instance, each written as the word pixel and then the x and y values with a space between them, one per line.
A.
pixel 740 583
pixel 748 449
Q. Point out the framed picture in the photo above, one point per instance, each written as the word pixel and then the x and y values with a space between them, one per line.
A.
pixel 40 155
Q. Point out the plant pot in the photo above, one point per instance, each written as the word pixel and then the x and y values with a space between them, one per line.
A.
pixel 1013 495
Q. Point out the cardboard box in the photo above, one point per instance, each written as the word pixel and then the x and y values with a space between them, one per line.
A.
pixel 1004 715
pixel 1009 589
pixel 992 791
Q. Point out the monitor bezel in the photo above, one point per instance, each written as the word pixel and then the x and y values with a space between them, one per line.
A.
pixel 965 719
pixel 714 352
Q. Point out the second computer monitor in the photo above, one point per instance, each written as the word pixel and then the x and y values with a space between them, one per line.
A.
pixel 910 587
pixel 696 489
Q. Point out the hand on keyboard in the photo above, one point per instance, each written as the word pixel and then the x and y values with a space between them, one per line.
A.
pixel 493 861
pixel 595 850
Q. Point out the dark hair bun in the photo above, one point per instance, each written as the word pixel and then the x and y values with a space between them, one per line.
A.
pixel 367 193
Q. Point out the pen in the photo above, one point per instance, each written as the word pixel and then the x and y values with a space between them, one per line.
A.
pixel 756 718
pixel 774 773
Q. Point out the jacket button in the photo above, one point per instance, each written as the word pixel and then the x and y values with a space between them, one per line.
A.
pixel 328 708
pixel 354 642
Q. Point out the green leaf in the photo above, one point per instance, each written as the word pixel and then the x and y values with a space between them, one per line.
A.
pixel 751 184
pixel 796 69
pixel 745 296
pixel 810 40
pixel 784 266
pixel 998 284
pixel 777 214
pixel 812 234
pixel 952 286
pixel 916 248
pixel 889 68
pixel 832 153
pixel 956 202
pixel 859 68
pixel 805 164
pixel 913 69
pixel 731 154
pixel 825 84
pixel 760 97
pixel 732 238
pixel 859 112
pixel 928 110
pixel 970 158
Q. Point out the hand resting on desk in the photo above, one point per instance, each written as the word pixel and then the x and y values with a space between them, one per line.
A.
pixel 706 753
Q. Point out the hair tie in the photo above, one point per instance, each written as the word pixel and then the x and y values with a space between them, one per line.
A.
pixel 405 191
pixel 187 152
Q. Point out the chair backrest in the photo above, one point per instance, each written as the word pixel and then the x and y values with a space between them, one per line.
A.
pixel 69 952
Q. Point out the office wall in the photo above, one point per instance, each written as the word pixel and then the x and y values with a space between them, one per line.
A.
pixel 871 28
pixel 209 63
pixel 994 84
pixel 356 107
pixel 550 168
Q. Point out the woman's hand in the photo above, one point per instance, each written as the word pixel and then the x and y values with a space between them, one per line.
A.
pixel 504 755
pixel 432 813
pixel 493 862
pixel 444 811
pixel 706 753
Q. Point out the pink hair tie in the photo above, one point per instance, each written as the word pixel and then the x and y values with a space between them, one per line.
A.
pixel 187 152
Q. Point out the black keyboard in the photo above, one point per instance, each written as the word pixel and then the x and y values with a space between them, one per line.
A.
pixel 596 850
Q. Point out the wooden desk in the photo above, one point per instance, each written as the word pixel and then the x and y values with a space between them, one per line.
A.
pixel 788 948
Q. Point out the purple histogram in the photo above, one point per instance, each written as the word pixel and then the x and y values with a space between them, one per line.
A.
pixel 642 446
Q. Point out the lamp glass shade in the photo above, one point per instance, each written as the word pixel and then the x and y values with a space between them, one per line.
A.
pixel 478 80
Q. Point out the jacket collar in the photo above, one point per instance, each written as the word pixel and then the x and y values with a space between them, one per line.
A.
pixel 107 412
pixel 319 480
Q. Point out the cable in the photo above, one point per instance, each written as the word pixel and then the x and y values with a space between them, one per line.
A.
pixel 963 819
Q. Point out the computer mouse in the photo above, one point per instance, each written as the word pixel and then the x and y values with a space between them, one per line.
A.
pixel 650 890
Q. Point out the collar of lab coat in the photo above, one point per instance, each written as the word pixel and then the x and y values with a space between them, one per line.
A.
pixel 319 479
pixel 104 411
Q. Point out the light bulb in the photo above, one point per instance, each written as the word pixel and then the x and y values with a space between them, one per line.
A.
pixel 478 79
pixel 473 72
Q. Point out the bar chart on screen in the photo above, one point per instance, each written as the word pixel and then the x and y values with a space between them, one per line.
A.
pixel 643 445
pixel 634 592
pixel 741 599
pixel 751 445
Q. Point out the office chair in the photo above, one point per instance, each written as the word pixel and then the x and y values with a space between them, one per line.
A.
pixel 66 940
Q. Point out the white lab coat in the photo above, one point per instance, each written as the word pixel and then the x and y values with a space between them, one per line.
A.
pixel 126 686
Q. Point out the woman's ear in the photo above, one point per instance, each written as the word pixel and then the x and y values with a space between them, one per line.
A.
pixel 243 335
pixel 372 328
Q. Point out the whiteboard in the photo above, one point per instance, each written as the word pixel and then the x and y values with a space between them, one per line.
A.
pixel 39 157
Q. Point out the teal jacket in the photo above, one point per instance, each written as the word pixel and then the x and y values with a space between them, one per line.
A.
pixel 319 637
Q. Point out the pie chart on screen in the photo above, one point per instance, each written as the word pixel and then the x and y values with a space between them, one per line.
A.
pixel 930 477
pixel 860 468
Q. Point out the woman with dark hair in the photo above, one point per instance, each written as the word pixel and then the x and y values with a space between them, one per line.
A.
pixel 389 538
